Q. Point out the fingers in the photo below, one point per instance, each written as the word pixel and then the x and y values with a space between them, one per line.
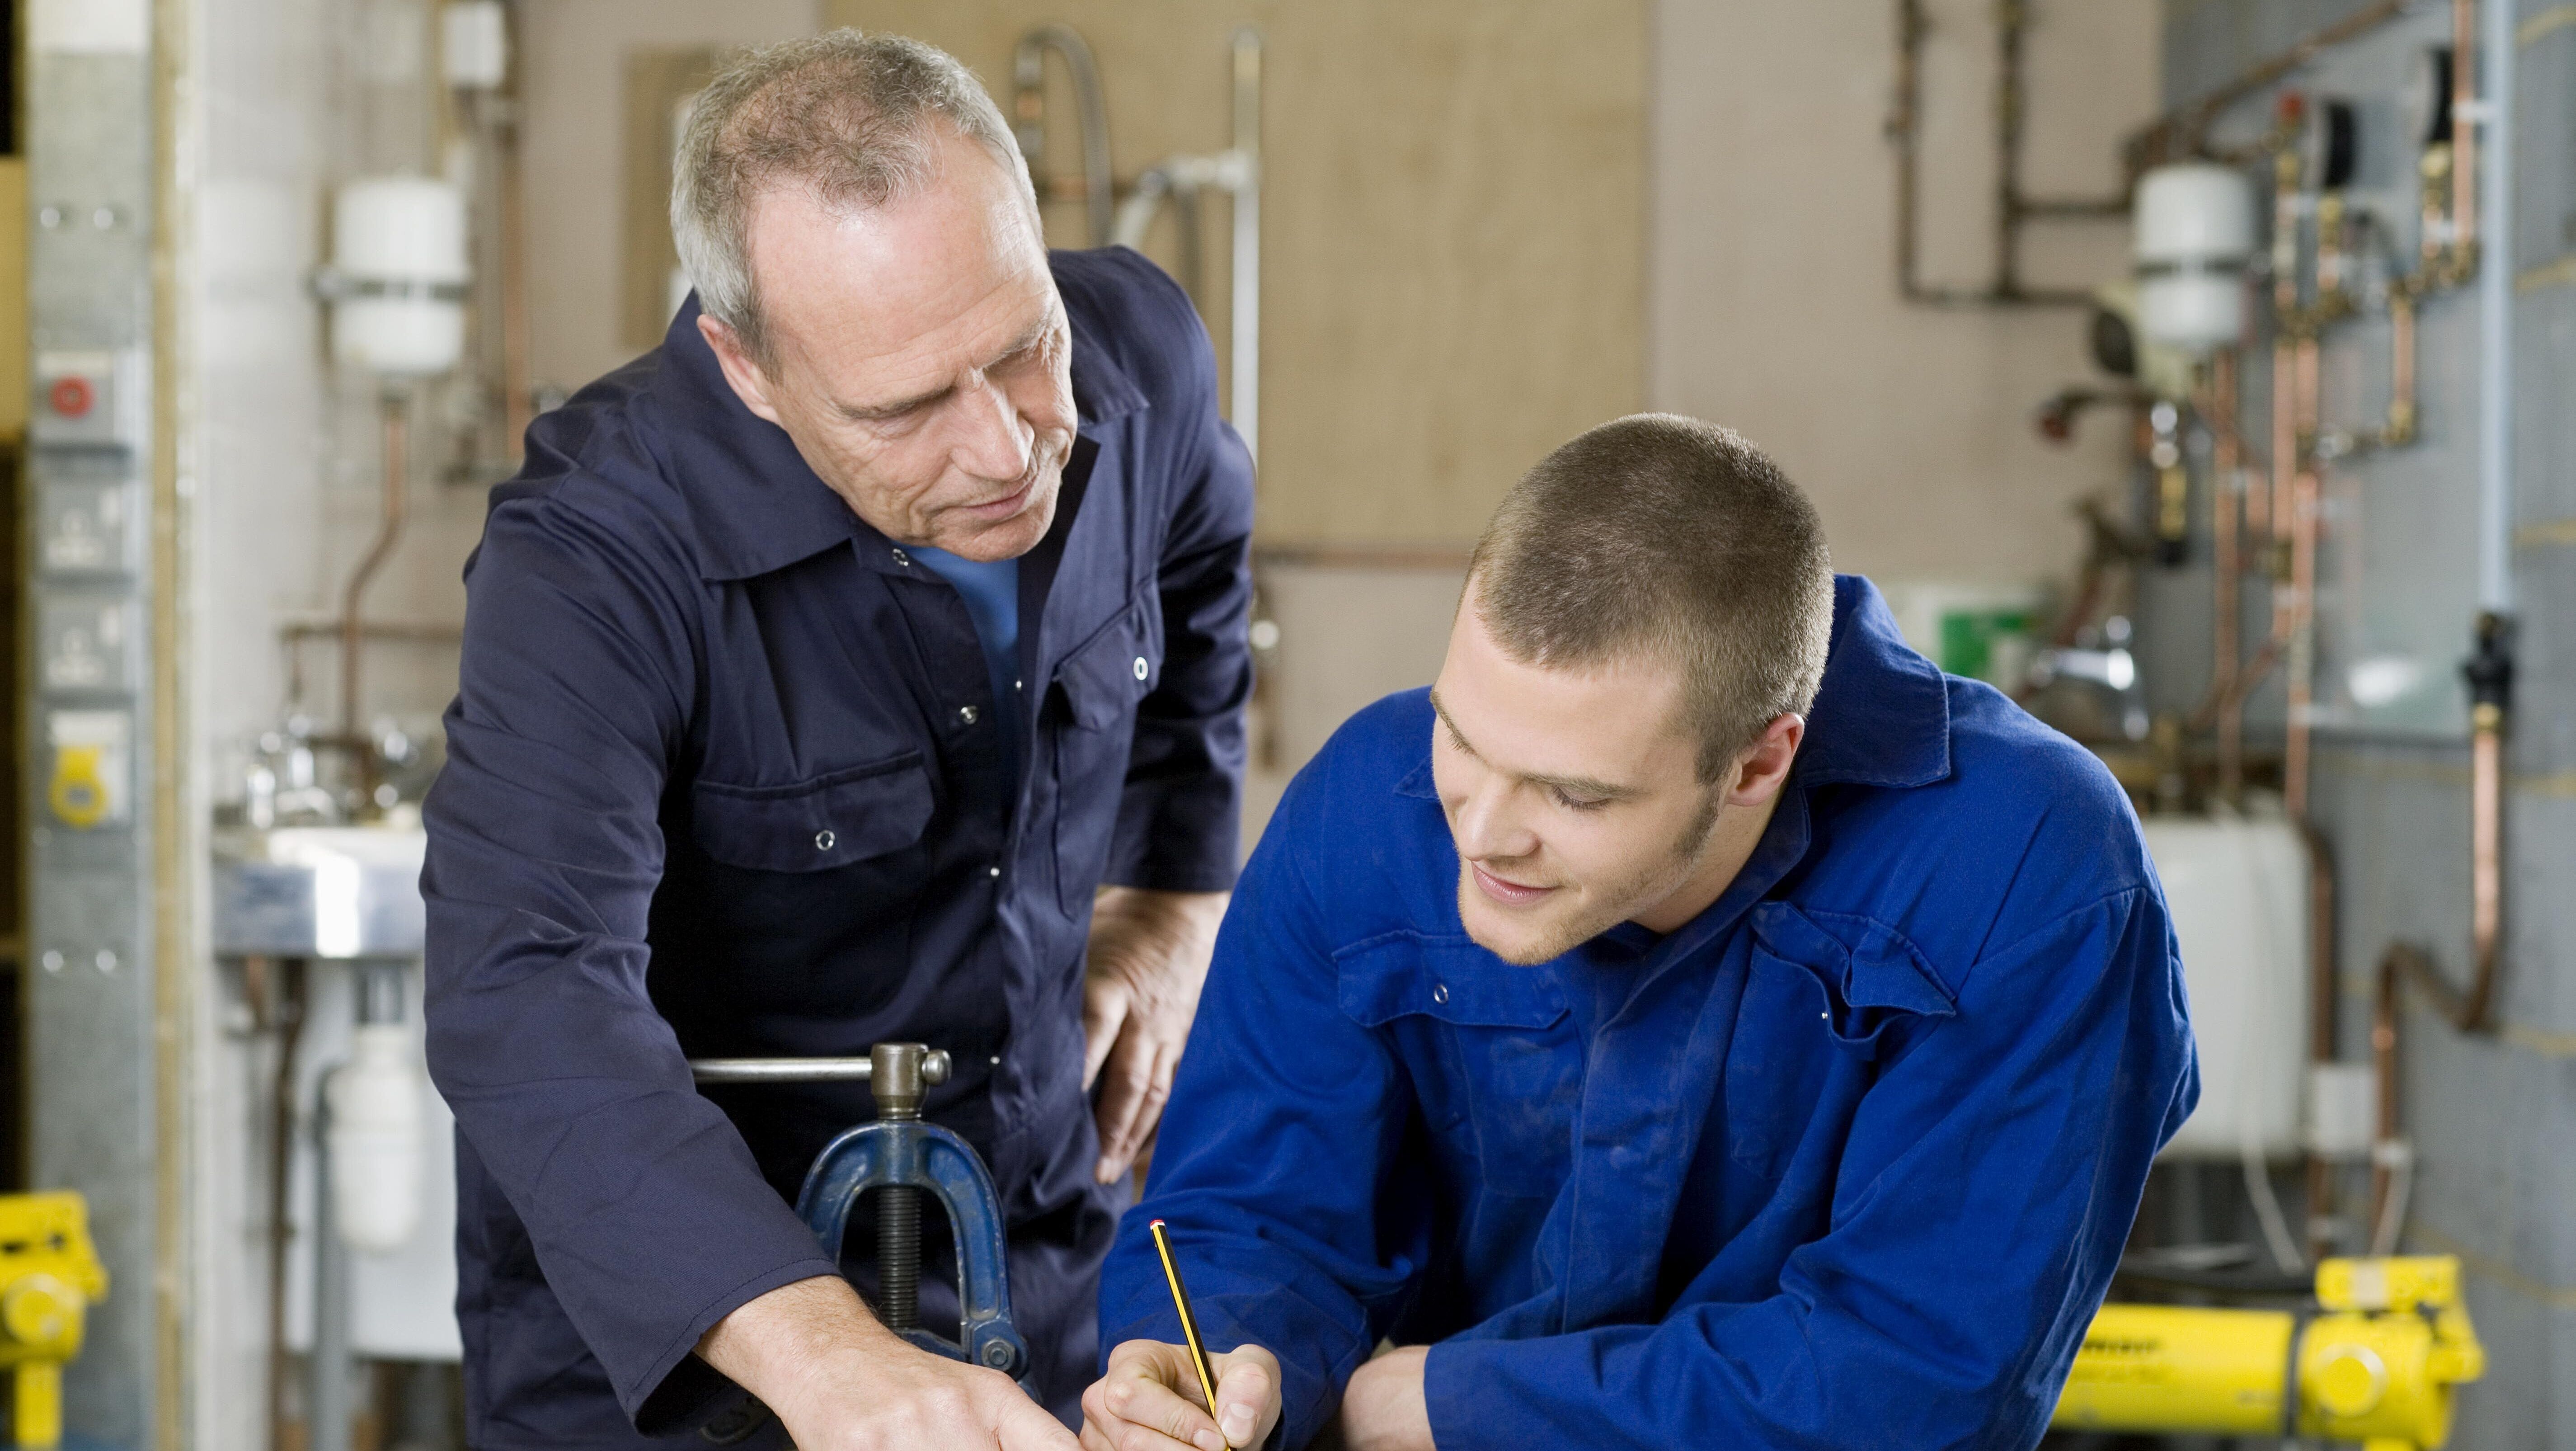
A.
pixel 1138 1083
pixel 1105 1003
pixel 1024 1425
pixel 1149 1401
pixel 1144 1415
pixel 1247 1395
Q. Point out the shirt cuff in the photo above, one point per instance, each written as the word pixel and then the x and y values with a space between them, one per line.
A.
pixel 679 1391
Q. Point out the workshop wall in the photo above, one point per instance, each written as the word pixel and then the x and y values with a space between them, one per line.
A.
pixel 1772 303
pixel 582 222
pixel 1451 226
pixel 2493 1185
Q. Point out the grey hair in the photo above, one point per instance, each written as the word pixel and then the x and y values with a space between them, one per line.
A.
pixel 844 114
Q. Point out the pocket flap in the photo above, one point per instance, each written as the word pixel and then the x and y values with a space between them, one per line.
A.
pixel 1448 978
pixel 1870 972
pixel 1104 678
pixel 815 825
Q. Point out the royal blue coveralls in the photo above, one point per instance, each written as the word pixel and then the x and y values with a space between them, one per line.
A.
pixel 1846 1161
pixel 724 777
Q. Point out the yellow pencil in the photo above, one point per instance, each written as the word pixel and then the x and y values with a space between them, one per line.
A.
pixel 1189 1322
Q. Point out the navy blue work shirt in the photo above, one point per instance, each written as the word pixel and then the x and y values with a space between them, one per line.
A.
pixel 724 778
pixel 1847 1160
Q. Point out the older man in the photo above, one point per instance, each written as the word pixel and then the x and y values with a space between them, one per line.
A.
pixel 820 668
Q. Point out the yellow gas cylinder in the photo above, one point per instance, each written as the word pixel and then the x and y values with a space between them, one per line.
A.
pixel 49 1275
pixel 2376 1363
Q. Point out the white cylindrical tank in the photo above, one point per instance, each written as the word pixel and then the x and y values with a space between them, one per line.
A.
pixel 399 260
pixel 2239 893
pixel 376 1140
pixel 2195 232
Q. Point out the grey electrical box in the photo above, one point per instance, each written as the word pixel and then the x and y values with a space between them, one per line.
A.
pixel 89 398
pixel 88 527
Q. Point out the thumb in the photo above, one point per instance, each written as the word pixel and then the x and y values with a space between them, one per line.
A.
pixel 1024 1425
pixel 1247 1400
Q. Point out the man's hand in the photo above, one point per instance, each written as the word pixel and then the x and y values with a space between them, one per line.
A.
pixel 839 1381
pixel 1150 1400
pixel 1148 957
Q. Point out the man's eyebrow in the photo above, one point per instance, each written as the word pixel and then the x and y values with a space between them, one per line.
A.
pixel 880 412
pixel 1570 785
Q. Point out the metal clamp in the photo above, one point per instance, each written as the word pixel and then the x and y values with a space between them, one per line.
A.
pixel 898 1156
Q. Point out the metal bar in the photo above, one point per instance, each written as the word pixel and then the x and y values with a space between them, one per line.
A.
pixel 781 1070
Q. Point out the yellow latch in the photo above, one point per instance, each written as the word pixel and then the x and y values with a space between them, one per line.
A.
pixel 78 792
pixel 49 1276
pixel 2376 1364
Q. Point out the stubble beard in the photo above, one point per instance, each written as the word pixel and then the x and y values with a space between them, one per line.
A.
pixel 1650 884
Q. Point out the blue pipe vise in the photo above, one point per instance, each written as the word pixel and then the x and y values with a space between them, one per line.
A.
pixel 898 1156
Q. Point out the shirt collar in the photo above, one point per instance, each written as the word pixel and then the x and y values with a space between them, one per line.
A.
pixel 1882 717
pixel 755 504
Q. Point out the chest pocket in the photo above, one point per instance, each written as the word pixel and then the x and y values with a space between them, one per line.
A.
pixel 1094 698
pixel 829 821
pixel 1830 999
pixel 1495 1064
pixel 809 891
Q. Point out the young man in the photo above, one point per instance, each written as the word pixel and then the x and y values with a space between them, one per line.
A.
pixel 1695 1021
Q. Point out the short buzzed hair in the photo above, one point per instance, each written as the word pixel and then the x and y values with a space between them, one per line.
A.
pixel 1660 535
pixel 847 116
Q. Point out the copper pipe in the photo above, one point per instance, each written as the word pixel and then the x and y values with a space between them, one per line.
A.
pixel 2383 1059
pixel 2400 427
pixel 2464 136
pixel 2226 502
pixel 2012 18
pixel 2011 208
pixel 2321 1021
pixel 396 506
pixel 2285 436
pixel 2486 862
pixel 2302 644
pixel 2249 678
pixel 2432 222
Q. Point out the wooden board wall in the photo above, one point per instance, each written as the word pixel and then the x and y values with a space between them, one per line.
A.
pixel 1453 225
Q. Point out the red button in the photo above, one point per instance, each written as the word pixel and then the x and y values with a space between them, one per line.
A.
pixel 72 397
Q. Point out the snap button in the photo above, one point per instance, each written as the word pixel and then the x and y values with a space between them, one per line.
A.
pixel 823 839
pixel 966 713
pixel 1440 992
pixel 992 871
pixel 903 559
pixel 1142 669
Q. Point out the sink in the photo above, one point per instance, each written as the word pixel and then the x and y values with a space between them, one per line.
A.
pixel 319 891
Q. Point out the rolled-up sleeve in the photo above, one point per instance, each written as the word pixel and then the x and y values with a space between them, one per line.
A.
pixel 1178 815
pixel 1980 1207
pixel 647 1214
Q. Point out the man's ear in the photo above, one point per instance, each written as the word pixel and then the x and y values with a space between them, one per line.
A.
pixel 1763 767
pixel 750 381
